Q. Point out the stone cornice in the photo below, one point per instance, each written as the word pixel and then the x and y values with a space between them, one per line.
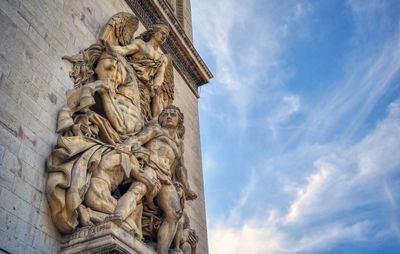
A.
pixel 178 45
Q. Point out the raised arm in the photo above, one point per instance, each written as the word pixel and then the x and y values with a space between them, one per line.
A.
pixel 128 49
pixel 147 133
pixel 181 175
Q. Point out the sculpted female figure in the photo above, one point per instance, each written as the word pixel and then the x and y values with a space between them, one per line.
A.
pixel 150 66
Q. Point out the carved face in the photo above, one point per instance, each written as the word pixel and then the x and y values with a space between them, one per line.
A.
pixel 107 69
pixel 161 36
pixel 170 118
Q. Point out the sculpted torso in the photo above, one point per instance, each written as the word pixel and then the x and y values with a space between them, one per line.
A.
pixel 122 113
pixel 165 150
pixel 146 51
pixel 140 50
pixel 129 113
pixel 150 66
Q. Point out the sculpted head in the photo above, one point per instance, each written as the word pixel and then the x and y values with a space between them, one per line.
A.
pixel 110 69
pixel 172 117
pixel 159 32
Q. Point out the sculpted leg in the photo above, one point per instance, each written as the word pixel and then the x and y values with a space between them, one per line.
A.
pixel 88 216
pixel 182 176
pixel 98 197
pixel 186 248
pixel 127 203
pixel 178 235
pixel 168 201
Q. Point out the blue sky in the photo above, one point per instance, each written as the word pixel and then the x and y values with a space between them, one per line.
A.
pixel 301 125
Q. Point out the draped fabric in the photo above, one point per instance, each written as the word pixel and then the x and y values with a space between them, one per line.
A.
pixel 78 152
pixel 70 166
pixel 145 69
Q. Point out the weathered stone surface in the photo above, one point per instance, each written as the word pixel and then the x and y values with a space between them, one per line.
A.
pixel 33 82
pixel 103 238
pixel 119 156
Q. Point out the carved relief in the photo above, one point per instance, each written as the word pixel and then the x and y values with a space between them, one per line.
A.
pixel 119 154
pixel 189 68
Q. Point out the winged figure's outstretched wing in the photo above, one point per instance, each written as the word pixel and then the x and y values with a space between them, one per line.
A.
pixel 120 29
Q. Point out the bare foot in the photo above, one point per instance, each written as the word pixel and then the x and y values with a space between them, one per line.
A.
pixel 84 216
pixel 115 218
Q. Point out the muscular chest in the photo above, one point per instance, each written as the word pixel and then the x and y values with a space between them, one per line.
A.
pixel 165 147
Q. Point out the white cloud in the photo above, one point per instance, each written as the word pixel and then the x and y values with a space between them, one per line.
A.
pixel 345 179
pixel 365 14
pixel 247 48
pixel 325 200
pixel 369 73
pixel 287 106
pixel 342 175
pixel 394 209
pixel 308 195
pixel 208 163
pixel 251 238
pixel 264 238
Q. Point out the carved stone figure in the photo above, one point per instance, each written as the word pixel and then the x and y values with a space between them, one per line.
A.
pixel 161 153
pixel 153 69
pixel 185 239
pixel 90 132
pixel 119 154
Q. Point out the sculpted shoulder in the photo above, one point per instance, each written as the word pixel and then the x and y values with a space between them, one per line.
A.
pixel 139 43
pixel 155 126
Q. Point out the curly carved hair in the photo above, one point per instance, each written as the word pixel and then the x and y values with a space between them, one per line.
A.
pixel 181 128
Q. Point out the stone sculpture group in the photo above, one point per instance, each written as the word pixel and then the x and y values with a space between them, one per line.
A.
pixel 119 153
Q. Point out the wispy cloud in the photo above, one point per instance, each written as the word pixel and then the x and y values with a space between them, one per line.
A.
pixel 288 105
pixel 351 178
pixel 369 73
pixel 394 209
pixel 308 195
pixel 245 71
pixel 247 190
pixel 330 180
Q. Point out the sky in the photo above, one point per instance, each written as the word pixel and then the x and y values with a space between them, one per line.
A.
pixel 300 126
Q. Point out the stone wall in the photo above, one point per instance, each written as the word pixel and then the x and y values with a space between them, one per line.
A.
pixel 35 34
pixel 187 101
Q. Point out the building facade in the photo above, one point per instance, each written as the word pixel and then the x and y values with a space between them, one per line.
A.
pixel 33 83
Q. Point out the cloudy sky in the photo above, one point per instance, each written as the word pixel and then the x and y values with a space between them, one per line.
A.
pixel 301 125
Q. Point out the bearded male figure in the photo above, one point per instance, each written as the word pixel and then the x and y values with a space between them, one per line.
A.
pixel 90 129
